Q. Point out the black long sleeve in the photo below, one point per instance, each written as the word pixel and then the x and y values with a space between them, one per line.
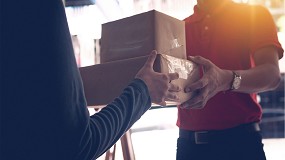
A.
pixel 43 108
pixel 116 118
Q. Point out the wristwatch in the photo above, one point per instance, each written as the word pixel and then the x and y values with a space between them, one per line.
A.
pixel 236 81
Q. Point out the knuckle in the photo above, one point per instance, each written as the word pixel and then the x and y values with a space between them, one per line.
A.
pixel 177 88
pixel 200 84
pixel 176 75
pixel 173 96
pixel 202 98
pixel 164 77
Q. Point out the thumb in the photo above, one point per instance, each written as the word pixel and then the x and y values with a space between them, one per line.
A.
pixel 200 60
pixel 150 61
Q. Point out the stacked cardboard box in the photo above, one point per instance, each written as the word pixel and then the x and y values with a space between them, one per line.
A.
pixel 140 34
pixel 125 47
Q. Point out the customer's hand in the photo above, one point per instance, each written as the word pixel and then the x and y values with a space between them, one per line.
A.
pixel 159 86
pixel 213 81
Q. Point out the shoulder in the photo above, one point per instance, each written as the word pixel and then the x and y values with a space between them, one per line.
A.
pixel 253 10
pixel 194 16
pixel 253 14
pixel 188 18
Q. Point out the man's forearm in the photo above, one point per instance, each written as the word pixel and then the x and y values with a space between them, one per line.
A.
pixel 262 78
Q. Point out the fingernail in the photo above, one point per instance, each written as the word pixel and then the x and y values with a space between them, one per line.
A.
pixel 154 52
pixel 187 89
pixel 177 98
pixel 191 57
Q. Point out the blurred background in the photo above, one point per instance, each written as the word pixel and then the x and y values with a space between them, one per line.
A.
pixel 154 135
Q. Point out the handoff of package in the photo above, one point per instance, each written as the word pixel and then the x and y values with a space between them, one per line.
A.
pixel 138 35
pixel 188 71
pixel 104 82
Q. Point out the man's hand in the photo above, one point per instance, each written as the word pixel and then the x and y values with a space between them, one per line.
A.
pixel 159 86
pixel 213 81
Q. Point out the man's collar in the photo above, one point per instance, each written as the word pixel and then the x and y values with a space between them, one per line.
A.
pixel 212 8
pixel 200 14
pixel 210 5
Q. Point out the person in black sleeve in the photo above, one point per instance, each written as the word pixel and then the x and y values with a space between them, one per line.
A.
pixel 43 108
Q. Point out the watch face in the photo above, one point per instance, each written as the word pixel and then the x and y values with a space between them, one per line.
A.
pixel 236 83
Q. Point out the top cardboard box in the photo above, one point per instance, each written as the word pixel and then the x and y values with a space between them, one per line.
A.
pixel 138 35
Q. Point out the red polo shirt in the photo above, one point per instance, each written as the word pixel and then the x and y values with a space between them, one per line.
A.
pixel 228 36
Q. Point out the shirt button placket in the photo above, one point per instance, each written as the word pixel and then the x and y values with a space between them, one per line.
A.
pixel 206 28
pixel 205 33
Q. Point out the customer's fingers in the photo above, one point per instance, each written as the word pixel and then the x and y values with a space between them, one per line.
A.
pixel 172 96
pixel 174 87
pixel 163 103
pixel 173 76
pixel 150 61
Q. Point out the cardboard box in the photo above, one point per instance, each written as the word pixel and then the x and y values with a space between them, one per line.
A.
pixel 104 82
pixel 138 35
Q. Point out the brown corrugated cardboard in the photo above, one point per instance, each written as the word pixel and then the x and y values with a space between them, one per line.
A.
pixel 138 35
pixel 103 82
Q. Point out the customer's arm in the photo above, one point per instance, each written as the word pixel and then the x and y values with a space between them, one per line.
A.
pixel 107 126
pixel 265 76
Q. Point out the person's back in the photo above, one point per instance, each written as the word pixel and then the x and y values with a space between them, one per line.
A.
pixel 37 81
pixel 43 108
